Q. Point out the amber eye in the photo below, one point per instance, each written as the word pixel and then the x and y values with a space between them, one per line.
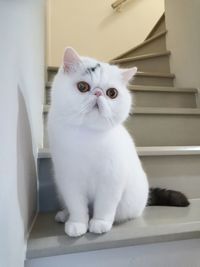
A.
pixel 83 87
pixel 112 93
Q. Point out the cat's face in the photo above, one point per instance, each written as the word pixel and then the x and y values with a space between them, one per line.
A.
pixel 91 93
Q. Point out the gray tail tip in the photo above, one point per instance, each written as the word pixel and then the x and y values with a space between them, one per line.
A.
pixel 165 197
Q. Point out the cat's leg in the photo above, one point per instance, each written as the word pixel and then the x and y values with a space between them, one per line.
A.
pixel 131 204
pixel 77 223
pixel 105 206
pixel 61 216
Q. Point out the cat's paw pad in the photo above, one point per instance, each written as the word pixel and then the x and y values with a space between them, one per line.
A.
pixel 75 229
pixel 61 216
pixel 99 226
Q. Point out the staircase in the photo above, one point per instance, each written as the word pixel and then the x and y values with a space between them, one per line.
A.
pixel 165 123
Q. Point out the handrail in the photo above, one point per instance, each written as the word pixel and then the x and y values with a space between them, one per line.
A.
pixel 117 4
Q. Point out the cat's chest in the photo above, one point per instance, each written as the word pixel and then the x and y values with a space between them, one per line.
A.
pixel 88 149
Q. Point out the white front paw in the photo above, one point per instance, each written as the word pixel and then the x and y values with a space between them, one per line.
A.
pixel 99 226
pixel 61 216
pixel 75 229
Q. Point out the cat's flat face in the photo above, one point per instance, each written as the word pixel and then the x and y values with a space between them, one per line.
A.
pixel 91 93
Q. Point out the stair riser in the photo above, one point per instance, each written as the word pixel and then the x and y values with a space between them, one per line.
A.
pixel 174 172
pixel 50 75
pixel 156 46
pixel 164 130
pixel 160 130
pixel 148 80
pixel 164 99
pixel 155 64
pixel 155 99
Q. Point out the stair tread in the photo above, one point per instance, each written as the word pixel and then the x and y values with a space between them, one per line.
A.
pixel 158 224
pixel 146 88
pixel 140 57
pixel 155 74
pixel 147 151
pixel 52 68
pixel 172 111
pixel 141 44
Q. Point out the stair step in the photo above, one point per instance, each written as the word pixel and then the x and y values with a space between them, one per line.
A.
pixel 154 44
pixel 164 126
pixel 153 79
pixel 48 239
pixel 162 89
pixel 175 167
pixel 140 57
pixel 156 62
pixel 161 126
pixel 166 111
pixel 51 72
pixel 169 97
pixel 44 153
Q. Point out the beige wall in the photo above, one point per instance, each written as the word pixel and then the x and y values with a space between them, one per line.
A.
pixel 94 29
pixel 183 40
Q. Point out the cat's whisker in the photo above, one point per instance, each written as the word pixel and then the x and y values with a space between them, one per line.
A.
pixel 87 106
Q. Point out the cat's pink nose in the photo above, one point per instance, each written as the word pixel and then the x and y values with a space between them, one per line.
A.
pixel 98 93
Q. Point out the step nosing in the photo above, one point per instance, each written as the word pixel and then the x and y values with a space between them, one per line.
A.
pixel 167 111
pixel 147 151
pixel 155 74
pixel 142 110
pixel 141 57
pixel 161 89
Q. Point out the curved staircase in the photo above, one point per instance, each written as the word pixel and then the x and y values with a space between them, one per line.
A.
pixel 165 123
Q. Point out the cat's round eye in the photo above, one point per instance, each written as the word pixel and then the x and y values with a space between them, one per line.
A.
pixel 83 87
pixel 112 93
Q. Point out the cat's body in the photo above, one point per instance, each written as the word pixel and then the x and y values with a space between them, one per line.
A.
pixel 95 158
pixel 101 170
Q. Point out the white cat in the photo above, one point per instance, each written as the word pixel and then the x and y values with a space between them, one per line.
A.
pixel 94 157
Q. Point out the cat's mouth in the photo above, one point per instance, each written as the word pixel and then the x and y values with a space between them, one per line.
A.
pixel 96 106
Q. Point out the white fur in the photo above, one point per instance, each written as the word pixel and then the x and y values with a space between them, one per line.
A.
pixel 95 159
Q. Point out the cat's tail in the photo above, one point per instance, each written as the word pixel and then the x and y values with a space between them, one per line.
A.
pixel 164 197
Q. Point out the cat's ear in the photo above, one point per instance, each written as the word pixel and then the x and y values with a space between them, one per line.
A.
pixel 70 59
pixel 127 74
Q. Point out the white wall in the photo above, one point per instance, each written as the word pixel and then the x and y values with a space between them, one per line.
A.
pixel 95 29
pixel 21 98
pixel 183 40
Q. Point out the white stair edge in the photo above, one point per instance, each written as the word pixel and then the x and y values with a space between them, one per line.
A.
pixel 142 110
pixel 152 74
pixel 155 74
pixel 168 89
pixel 147 151
pixel 165 111
pixel 141 57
